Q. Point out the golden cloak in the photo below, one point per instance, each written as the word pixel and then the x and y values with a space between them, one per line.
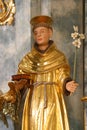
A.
pixel 44 107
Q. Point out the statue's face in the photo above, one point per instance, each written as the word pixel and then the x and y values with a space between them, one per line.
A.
pixel 42 35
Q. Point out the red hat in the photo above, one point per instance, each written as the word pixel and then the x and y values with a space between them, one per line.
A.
pixel 42 20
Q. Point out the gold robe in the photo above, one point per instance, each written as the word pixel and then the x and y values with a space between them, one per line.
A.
pixel 44 107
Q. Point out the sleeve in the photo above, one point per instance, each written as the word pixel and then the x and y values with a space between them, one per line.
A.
pixel 66 92
pixel 64 76
pixel 24 65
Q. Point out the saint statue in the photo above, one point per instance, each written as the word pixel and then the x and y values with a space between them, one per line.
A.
pixel 48 80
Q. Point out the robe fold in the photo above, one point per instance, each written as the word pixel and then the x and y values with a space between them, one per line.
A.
pixel 44 107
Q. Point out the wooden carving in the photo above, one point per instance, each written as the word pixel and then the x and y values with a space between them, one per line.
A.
pixel 7 11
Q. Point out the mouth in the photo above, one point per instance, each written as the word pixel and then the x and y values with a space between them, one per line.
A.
pixel 39 39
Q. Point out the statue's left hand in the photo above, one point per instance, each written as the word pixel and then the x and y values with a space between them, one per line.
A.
pixel 71 86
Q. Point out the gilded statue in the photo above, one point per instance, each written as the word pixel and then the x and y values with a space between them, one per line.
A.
pixel 7 11
pixel 44 77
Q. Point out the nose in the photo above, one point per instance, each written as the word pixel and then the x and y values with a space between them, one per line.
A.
pixel 39 34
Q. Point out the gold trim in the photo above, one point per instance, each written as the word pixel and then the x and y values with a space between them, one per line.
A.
pixel 84 99
pixel 7 11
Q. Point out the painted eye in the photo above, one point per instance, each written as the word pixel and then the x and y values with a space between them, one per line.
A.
pixel 35 33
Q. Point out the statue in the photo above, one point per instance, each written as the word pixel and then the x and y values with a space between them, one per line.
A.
pixel 45 73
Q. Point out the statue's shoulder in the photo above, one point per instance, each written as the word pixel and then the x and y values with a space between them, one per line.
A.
pixel 59 52
pixel 25 58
